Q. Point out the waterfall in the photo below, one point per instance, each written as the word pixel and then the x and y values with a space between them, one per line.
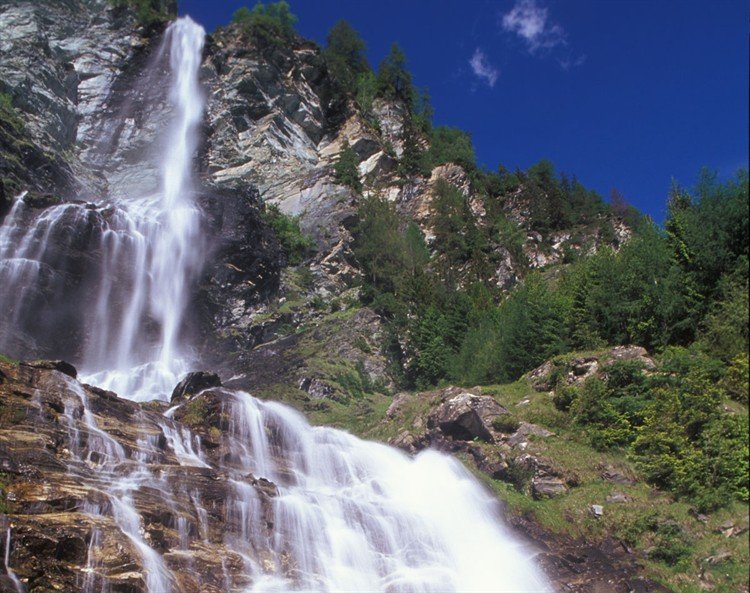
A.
pixel 17 585
pixel 158 239
pixel 358 516
pixel 344 514
pixel 341 514
pixel 149 249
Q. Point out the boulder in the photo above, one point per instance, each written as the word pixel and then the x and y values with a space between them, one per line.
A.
pixel 618 497
pixel 631 352
pixel 316 388
pixel 525 430
pixel 194 383
pixel 547 487
pixel 466 417
pixel 612 474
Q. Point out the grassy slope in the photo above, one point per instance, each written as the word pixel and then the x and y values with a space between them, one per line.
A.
pixel 643 523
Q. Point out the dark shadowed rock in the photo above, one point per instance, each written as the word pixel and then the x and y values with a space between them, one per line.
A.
pixel 195 383
pixel 54 365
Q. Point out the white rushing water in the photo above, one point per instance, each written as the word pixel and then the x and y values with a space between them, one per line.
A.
pixel 149 248
pixel 349 516
pixel 362 517
pixel 17 585
pixel 158 240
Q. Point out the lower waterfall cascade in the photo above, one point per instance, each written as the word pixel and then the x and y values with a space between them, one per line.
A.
pixel 305 509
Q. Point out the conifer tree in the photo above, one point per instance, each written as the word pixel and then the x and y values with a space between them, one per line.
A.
pixel 394 80
pixel 345 167
pixel 345 55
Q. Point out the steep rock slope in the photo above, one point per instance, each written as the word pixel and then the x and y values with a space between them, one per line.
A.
pixel 71 457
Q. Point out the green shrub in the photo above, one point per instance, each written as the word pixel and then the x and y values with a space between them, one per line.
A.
pixel 594 409
pixel 451 145
pixel 195 413
pixel 412 161
pixel 519 474
pixel 345 55
pixel 365 93
pixel 735 381
pixel 394 79
pixel 564 397
pixel 147 12
pixel 670 544
pixel 296 245
pixel 506 423
pixel 8 115
pixel 689 445
pixel 357 382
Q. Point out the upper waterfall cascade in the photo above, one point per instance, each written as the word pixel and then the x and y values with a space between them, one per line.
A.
pixel 349 515
pixel 149 250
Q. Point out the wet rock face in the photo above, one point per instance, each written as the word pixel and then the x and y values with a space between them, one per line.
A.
pixel 243 269
pixel 194 383
pixel 60 501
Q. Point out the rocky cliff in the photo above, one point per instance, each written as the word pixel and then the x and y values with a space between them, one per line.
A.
pixel 75 129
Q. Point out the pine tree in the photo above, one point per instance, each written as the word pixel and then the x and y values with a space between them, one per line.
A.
pixel 394 80
pixel 345 167
pixel 412 155
pixel 345 55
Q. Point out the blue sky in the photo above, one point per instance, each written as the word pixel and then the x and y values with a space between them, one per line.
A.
pixel 622 93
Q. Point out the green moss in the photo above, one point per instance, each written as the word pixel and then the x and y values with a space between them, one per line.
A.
pixel 8 116
pixel 195 413
pixel 7 359
pixel 295 244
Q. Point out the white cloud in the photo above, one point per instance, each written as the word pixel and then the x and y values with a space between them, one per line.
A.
pixel 570 62
pixel 530 21
pixel 482 68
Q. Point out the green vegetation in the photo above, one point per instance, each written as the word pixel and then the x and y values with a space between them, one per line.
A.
pixel 672 541
pixel 454 333
pixel 451 145
pixel 671 422
pixel 345 168
pixel 13 141
pixel 556 202
pixel 295 244
pixel 345 55
pixel 682 293
pixel 394 79
pixel 195 413
pixel 5 506
pixel 268 25
pixel 10 123
pixel 679 431
pixel 147 12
